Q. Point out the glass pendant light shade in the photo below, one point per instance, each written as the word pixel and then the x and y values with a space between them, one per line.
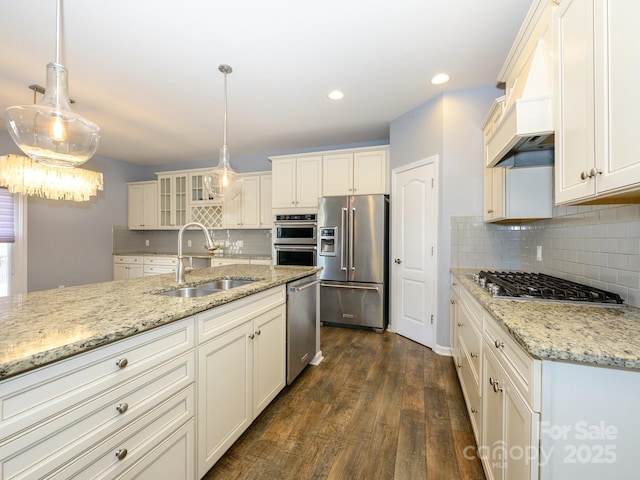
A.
pixel 222 182
pixel 50 132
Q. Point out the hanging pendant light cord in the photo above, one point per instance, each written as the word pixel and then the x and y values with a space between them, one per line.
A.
pixel 224 128
pixel 58 20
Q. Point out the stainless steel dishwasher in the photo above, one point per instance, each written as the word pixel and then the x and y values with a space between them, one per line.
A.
pixel 301 325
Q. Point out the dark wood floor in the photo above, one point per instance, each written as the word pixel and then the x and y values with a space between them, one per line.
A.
pixel 378 407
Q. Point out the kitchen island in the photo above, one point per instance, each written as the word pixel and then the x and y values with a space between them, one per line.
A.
pixel 551 389
pixel 117 380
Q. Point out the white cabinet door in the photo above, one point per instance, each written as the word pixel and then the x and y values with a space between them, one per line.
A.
pixel 370 172
pixel 266 192
pixel 283 172
pixel 250 202
pixel 575 115
pixel 617 107
pixel 269 351
pixel 493 424
pixel 143 206
pixel 308 182
pixel 510 427
pixel 225 382
pixel 173 201
pixel 494 187
pixel 337 174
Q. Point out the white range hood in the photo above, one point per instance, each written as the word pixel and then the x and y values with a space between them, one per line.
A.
pixel 524 134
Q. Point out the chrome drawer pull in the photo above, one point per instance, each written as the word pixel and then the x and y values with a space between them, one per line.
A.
pixel 123 362
pixel 499 344
pixel 120 454
pixel 123 407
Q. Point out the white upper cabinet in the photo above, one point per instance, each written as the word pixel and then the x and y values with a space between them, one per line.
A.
pixel 598 107
pixel 243 211
pixel 355 173
pixel 172 199
pixel 297 182
pixel 143 205
pixel 266 192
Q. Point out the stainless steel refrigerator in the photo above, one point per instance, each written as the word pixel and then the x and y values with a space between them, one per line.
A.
pixel 353 250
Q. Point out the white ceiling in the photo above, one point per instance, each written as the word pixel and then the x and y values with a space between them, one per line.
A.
pixel 146 71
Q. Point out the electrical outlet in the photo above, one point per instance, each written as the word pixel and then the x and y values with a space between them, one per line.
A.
pixel 188 243
pixel 146 243
pixel 539 253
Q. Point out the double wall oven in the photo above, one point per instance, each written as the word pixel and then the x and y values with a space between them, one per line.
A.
pixel 294 239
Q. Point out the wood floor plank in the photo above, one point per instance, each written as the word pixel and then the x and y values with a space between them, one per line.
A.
pixel 379 407
pixel 412 445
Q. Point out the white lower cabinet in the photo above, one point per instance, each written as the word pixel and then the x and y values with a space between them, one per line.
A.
pixel 501 386
pixel 166 403
pixel 73 416
pixel 128 266
pixel 511 433
pixel 241 370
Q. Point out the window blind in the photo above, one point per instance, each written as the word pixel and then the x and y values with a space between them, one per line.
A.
pixel 7 233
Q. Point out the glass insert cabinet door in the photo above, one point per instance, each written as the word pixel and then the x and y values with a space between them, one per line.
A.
pixel 173 200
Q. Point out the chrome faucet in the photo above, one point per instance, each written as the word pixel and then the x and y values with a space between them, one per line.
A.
pixel 181 270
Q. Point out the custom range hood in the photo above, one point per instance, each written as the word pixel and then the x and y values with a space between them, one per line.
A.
pixel 523 131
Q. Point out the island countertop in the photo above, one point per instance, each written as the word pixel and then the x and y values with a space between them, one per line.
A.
pixel 602 336
pixel 42 327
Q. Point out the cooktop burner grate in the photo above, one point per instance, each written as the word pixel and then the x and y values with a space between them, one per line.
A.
pixel 538 286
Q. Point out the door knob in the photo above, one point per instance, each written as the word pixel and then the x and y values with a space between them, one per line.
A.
pixel 398 261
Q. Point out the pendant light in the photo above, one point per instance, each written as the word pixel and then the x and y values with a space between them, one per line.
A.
pixel 50 132
pixel 222 182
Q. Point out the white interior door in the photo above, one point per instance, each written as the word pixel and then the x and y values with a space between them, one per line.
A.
pixel 414 204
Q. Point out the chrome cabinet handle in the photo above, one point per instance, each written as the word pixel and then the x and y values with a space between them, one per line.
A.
pixel 584 175
pixel 398 261
pixel 460 324
pixel 123 362
pixel 120 454
pixel 258 332
pixel 474 410
pixel 497 388
pixel 498 344
pixel 252 336
pixel 474 355
pixel 123 407
pixel 453 302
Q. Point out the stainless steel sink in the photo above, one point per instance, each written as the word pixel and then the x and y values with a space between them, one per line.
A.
pixel 225 283
pixel 207 288
pixel 189 292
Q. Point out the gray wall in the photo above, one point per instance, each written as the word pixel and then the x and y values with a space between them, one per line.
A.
pixel 69 243
pixel 450 127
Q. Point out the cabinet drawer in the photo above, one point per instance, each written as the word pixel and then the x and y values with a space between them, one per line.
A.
pixel 524 371
pixel 472 393
pixel 473 307
pixel 222 319
pixel 57 441
pixel 165 261
pixel 128 259
pixel 470 340
pixel 158 269
pixel 138 439
pixel 35 396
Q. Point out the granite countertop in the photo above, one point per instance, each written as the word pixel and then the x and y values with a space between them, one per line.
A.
pixel 41 327
pixel 603 336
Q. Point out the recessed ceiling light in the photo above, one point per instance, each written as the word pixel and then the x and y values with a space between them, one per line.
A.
pixel 335 95
pixel 440 79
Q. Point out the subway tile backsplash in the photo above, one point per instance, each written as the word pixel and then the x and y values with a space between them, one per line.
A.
pixel 594 245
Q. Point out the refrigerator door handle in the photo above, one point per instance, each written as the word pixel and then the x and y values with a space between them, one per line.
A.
pixel 352 224
pixel 354 287
pixel 343 229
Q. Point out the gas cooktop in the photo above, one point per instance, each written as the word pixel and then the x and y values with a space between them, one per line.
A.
pixel 538 286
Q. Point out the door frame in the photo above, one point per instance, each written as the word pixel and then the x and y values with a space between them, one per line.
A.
pixel 433 159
